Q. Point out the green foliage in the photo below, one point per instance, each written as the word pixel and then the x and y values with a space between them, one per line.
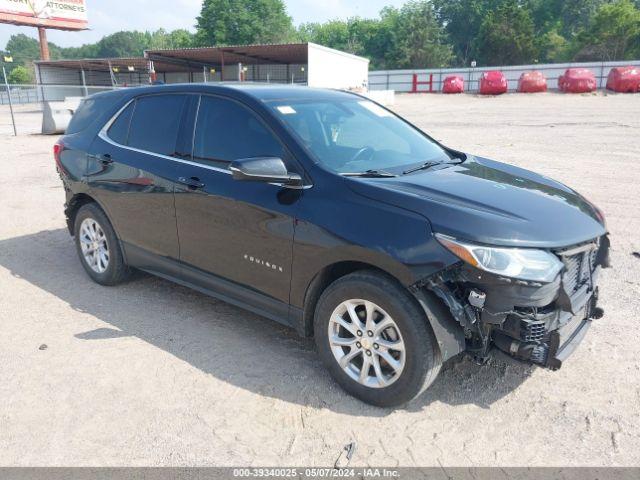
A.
pixel 238 22
pixel 612 34
pixel 122 44
pixel 553 47
pixel 506 36
pixel 402 38
pixel 419 38
pixel 463 20
pixel 23 48
pixel 20 74
pixel 575 15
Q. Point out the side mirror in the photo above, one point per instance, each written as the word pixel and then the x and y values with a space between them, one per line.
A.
pixel 264 169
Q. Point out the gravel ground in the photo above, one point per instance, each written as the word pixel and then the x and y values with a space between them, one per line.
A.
pixel 150 373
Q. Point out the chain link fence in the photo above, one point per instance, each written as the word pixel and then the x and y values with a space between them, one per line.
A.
pixel 27 103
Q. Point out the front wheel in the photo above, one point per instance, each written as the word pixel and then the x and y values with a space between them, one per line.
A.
pixel 375 340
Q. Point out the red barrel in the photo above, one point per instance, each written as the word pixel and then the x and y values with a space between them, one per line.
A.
pixel 532 82
pixel 577 80
pixel 624 79
pixel 493 83
pixel 453 84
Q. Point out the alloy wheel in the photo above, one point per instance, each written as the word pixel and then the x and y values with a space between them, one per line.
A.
pixel 94 245
pixel 367 343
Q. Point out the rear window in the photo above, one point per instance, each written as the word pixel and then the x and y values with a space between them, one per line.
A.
pixel 155 123
pixel 89 110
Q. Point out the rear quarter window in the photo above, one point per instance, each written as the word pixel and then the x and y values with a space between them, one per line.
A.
pixel 119 130
pixel 88 112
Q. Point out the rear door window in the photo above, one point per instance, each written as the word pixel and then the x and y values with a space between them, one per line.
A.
pixel 227 131
pixel 155 123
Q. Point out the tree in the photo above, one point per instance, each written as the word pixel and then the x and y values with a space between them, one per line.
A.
pixel 123 44
pixel 575 15
pixel 20 74
pixel 237 22
pixel 553 47
pixel 23 48
pixel 366 37
pixel 613 33
pixel 181 38
pixel 334 34
pixel 162 39
pixel 506 36
pixel 420 41
pixel 462 20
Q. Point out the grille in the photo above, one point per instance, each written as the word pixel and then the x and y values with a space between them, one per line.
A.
pixel 532 331
pixel 578 269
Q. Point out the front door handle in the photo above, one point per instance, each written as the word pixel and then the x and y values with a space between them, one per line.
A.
pixel 193 183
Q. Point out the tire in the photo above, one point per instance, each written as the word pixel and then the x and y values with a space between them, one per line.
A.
pixel 416 370
pixel 112 271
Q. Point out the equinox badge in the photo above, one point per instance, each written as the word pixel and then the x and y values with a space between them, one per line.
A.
pixel 264 263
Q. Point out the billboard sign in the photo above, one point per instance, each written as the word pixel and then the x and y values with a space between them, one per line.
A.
pixel 59 14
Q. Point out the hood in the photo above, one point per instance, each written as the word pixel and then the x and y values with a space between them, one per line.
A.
pixel 490 202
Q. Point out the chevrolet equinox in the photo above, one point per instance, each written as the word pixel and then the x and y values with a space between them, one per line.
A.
pixel 328 213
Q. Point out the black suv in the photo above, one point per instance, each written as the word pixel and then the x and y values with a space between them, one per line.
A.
pixel 326 212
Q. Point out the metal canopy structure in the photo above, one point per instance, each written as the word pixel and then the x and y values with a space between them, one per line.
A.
pixel 299 63
pixel 106 64
pixel 194 59
pixel 217 57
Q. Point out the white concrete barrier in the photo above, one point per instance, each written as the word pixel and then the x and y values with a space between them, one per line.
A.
pixel 57 115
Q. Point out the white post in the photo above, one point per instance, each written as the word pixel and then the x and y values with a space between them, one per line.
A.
pixel 13 119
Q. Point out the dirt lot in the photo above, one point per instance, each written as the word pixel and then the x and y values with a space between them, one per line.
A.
pixel 150 373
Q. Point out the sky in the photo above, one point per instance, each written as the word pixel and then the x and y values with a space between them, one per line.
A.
pixel 109 16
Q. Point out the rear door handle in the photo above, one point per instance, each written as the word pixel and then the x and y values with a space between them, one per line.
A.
pixel 192 183
pixel 105 159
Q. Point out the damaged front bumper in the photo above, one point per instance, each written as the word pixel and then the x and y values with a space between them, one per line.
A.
pixel 538 323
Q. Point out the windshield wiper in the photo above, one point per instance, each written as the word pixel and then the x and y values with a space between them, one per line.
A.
pixel 432 163
pixel 369 173
pixel 424 166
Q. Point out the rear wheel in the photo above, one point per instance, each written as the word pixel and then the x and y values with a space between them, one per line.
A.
pixel 375 340
pixel 98 246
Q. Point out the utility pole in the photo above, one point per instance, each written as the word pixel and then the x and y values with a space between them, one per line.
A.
pixel 44 45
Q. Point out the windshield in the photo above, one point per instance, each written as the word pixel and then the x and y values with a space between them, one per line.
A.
pixel 357 135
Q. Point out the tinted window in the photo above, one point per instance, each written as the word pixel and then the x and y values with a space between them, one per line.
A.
pixel 88 111
pixel 155 123
pixel 227 131
pixel 119 130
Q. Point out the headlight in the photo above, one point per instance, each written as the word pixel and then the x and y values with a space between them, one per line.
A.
pixel 523 263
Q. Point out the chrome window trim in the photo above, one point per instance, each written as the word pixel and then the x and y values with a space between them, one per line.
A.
pixel 104 136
